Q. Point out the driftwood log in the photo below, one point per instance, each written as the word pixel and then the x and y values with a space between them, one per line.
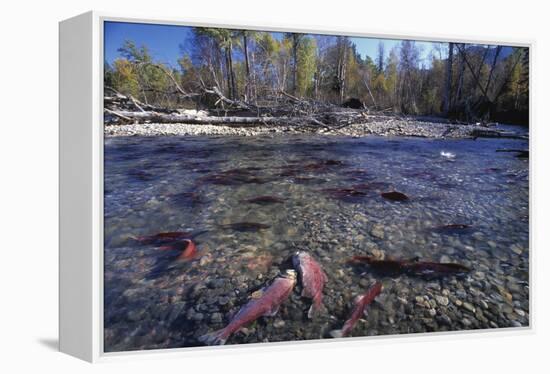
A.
pixel 289 111
pixel 155 117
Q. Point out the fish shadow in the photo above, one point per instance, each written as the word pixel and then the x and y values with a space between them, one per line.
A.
pixel 392 272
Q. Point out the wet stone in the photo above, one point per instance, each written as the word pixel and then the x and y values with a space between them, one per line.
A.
pixel 478 275
pixel 442 300
pixel 224 300
pixel 377 231
pixel 135 315
pixel 216 318
pixel 516 249
pixel 279 323
pixel 466 322
pixel 519 312
pixel 198 316
pixel 469 307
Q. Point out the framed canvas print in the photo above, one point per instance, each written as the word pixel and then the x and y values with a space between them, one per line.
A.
pixel 256 184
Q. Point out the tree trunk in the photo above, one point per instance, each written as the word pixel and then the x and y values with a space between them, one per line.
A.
pixel 460 83
pixel 234 90
pixel 341 70
pixel 247 66
pixel 294 62
pixel 448 82
pixel 492 68
pixel 228 74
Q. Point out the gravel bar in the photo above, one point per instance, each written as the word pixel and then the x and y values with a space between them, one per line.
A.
pixel 395 127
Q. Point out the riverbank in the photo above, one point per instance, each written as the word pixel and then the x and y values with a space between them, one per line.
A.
pixel 382 126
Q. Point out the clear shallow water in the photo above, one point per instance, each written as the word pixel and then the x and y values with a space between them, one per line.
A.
pixel 159 184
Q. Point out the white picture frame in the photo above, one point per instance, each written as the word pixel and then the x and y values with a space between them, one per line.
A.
pixel 81 183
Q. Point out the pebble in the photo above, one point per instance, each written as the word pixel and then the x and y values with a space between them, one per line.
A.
pixel 223 300
pixel 479 275
pixel 377 231
pixel 519 312
pixel 279 323
pixel 402 300
pixel 135 315
pixel 516 249
pixel 442 300
pixel 378 254
pixel 198 316
pixel 216 318
pixel 469 307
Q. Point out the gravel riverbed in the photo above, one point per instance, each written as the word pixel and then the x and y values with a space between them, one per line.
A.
pixel 181 183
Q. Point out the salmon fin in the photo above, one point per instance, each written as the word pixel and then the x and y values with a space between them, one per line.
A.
pixel 214 338
pixel 165 248
pixel 337 334
pixel 272 312
pixel 325 278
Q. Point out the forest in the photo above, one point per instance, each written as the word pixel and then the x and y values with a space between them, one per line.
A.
pixel 232 70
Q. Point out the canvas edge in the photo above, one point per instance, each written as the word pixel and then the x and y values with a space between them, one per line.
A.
pixel 75 193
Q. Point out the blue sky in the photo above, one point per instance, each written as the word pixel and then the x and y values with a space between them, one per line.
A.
pixel 164 41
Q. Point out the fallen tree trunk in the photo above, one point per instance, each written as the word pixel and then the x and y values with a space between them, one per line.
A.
pixel 154 117
pixel 121 109
pixel 479 133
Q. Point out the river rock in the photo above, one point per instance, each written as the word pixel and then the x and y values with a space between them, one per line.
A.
pixel 216 318
pixel 469 307
pixel 442 300
pixel 377 231
pixel 279 323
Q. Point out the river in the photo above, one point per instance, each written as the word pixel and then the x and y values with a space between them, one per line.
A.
pixel 204 185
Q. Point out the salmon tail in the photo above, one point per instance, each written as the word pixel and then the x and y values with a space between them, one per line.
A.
pixel 214 338
pixel 311 311
pixel 337 334
pixel 315 307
